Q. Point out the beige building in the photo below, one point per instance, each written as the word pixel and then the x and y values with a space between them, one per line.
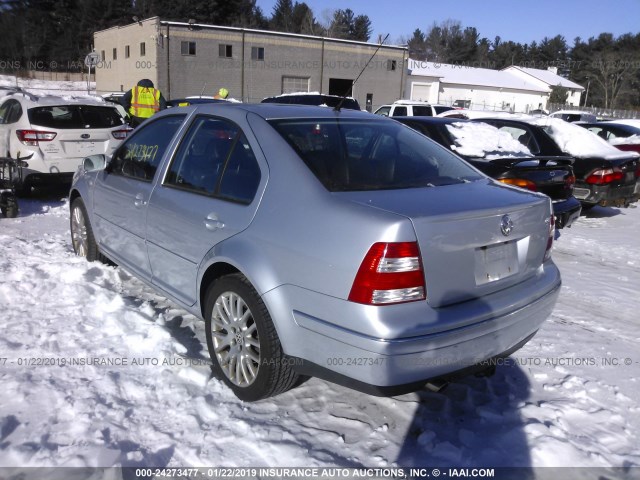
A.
pixel 185 59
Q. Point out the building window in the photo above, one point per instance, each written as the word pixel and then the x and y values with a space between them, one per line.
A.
pixel 103 55
pixel 143 49
pixel 392 65
pixel 188 48
pixel 257 53
pixel 115 53
pixel 127 51
pixel 225 51
pixel 295 84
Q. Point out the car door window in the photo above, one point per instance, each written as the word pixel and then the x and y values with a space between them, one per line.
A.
pixel 141 154
pixel 215 159
pixel 200 159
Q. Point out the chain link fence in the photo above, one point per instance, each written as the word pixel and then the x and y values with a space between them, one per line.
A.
pixel 597 111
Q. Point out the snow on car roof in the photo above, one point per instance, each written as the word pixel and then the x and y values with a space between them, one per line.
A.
pixel 577 141
pixel 485 141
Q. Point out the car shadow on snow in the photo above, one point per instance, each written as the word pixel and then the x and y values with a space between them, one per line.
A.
pixel 600 212
pixel 41 201
pixel 475 421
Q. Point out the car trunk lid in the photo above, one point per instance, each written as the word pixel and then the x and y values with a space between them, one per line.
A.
pixel 474 238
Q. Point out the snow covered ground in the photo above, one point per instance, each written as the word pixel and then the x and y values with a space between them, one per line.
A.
pixel 571 397
pixel 47 87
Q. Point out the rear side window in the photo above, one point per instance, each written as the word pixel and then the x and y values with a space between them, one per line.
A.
pixel 421 111
pixel 441 109
pixel 400 112
pixel 357 155
pixel 62 117
pixel 10 112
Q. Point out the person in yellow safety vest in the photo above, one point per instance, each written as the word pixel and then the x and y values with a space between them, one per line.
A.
pixel 142 101
pixel 222 94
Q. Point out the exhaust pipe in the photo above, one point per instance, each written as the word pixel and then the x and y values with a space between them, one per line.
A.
pixel 437 385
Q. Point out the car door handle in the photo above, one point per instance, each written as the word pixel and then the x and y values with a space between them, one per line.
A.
pixel 212 222
pixel 139 200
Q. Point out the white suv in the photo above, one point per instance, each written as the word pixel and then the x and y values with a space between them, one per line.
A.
pixel 408 108
pixel 53 134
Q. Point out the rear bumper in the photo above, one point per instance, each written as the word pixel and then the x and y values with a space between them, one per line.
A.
pixel 606 195
pixel 566 212
pixel 482 329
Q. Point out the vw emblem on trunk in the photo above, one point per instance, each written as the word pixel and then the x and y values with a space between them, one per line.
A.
pixel 506 225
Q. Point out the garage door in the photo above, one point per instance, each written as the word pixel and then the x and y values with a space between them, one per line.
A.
pixel 421 91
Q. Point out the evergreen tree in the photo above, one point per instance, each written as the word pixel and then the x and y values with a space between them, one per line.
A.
pixel 559 95
pixel 282 16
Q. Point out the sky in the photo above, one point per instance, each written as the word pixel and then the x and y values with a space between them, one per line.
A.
pixel 518 21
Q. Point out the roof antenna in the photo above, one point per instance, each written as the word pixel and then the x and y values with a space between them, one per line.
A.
pixel 203 87
pixel 344 97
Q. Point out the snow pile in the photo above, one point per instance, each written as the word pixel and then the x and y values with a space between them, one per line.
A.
pixel 577 141
pixel 47 87
pixel 632 140
pixel 485 141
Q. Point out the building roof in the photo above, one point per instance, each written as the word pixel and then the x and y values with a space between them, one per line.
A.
pixel 205 26
pixel 466 75
pixel 547 76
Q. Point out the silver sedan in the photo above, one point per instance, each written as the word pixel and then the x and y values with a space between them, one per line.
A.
pixel 314 241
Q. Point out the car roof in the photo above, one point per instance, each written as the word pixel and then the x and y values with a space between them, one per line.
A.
pixel 30 100
pixel 270 111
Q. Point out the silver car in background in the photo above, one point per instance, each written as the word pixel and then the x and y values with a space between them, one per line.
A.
pixel 320 242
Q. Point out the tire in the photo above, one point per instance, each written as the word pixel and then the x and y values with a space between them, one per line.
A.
pixel 82 239
pixel 10 205
pixel 239 327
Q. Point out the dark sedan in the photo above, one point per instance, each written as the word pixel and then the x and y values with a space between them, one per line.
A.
pixel 498 155
pixel 622 136
pixel 605 175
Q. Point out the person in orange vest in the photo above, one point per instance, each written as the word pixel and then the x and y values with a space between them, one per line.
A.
pixel 142 101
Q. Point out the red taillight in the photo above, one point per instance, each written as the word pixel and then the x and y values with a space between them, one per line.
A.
pixel 121 134
pixel 520 182
pixel 32 137
pixel 390 273
pixel 570 181
pixel 552 233
pixel 605 175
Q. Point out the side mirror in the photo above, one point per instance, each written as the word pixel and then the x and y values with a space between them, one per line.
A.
pixel 94 162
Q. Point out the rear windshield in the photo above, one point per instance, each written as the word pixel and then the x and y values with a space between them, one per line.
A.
pixel 75 116
pixel 356 155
